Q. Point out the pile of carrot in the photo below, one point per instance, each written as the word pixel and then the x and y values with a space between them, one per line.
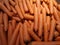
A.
pixel 26 21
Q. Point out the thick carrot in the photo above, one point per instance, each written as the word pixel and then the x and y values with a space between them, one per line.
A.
pixel 1 18
pixel 21 35
pixel 2 7
pixel 13 9
pixel 25 6
pixel 46 7
pixel 51 6
pixel 2 35
pixel 16 18
pixel 52 29
pixel 17 41
pixel 10 32
pixel 28 16
pixel 26 34
pixel 35 18
pixel 57 38
pixel 7 4
pixel 48 22
pixel 5 21
pixel 19 11
pixel 29 6
pixel 14 36
pixel 12 2
pixel 56 34
pixel 40 26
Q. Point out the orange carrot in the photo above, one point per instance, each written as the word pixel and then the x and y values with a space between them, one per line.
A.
pixel 14 36
pixel 19 11
pixel 29 6
pixel 21 35
pixel 9 32
pixel 40 26
pixel 17 41
pixel 25 5
pixel 1 18
pixel 26 34
pixel 57 38
pixel 2 7
pixel 28 16
pixel 2 35
pixel 58 7
pixel 5 20
pixel 12 2
pixel 52 29
pixel 46 7
pixel 35 18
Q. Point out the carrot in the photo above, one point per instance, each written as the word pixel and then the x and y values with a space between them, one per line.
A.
pixel 40 26
pixel 52 29
pixel 0 42
pixel 21 7
pixel 10 32
pixel 7 4
pixel 19 11
pixel 13 9
pixel 56 33
pixel 14 36
pixel 48 22
pixel 16 18
pixel 1 18
pixel 46 7
pixel 21 35
pixel 17 41
pixel 13 24
pixel 35 18
pixel 34 1
pixel 56 14
pixel 57 38
pixel 26 34
pixel 58 7
pixel 29 6
pixel 25 5
pixel 12 2
pixel 51 6
pixel 28 16
pixel 5 20
pixel 2 7
pixel 2 35
pixel 32 34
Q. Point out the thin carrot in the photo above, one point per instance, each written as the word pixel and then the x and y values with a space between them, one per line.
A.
pixel 57 38
pixel 2 35
pixel 1 18
pixel 52 29
pixel 5 20
pixel 19 11
pixel 25 6
pixel 40 26
pixel 21 35
pixel 28 16
pixel 35 18
pixel 2 7
pixel 14 36
pixel 17 41
pixel 26 34
pixel 10 32
pixel 12 2
pixel 29 6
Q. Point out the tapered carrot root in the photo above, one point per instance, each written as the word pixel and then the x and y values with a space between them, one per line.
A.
pixel 19 11
pixel 14 36
pixel 2 7
pixel 1 18
pixel 21 35
pixel 40 28
pixel 28 16
pixel 10 32
pixel 5 20
pixel 26 34
pixel 52 29
pixel 2 35
pixel 17 41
